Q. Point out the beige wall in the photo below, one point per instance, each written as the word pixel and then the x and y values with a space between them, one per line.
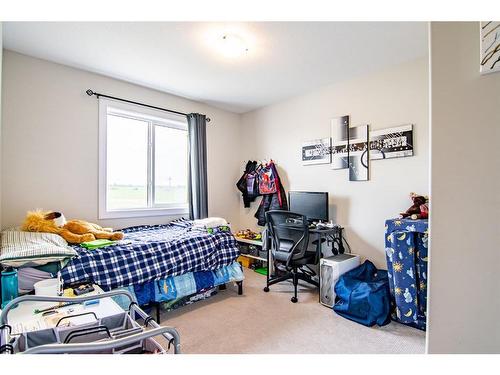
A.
pixel 464 289
pixel 392 97
pixel 50 141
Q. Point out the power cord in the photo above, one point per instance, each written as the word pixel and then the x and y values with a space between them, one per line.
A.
pixel 337 244
pixel 348 246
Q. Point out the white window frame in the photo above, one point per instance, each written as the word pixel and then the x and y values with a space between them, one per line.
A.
pixel 154 117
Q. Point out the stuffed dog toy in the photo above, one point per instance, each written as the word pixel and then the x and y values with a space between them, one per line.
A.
pixel 73 231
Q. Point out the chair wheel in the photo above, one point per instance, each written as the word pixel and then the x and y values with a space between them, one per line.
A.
pixel 294 299
pixel 266 289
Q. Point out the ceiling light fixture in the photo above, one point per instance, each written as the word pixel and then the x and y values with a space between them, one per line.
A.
pixel 232 46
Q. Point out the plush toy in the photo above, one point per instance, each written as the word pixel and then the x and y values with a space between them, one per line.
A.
pixel 419 209
pixel 73 231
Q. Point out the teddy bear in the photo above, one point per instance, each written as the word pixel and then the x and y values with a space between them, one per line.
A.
pixel 419 209
pixel 73 231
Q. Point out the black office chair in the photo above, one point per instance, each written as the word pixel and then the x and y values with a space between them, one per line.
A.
pixel 289 233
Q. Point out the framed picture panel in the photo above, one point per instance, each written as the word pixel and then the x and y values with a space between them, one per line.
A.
pixel 316 151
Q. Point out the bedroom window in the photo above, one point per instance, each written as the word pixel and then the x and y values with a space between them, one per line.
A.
pixel 143 161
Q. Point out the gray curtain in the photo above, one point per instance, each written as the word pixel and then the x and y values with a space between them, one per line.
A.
pixel 197 190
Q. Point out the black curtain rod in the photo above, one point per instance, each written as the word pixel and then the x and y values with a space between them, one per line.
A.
pixel 90 93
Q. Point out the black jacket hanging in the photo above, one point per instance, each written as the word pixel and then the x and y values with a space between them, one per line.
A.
pixel 248 184
pixel 276 201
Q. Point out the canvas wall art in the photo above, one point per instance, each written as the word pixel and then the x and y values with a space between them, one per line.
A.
pixel 358 153
pixel 396 142
pixel 352 147
pixel 316 151
pixel 340 142
pixel 490 47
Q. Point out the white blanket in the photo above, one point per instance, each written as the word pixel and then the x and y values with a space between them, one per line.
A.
pixel 210 222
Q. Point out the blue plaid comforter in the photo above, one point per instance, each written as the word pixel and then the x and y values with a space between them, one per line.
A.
pixel 150 253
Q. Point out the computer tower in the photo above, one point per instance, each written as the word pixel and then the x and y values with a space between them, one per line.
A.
pixel 331 269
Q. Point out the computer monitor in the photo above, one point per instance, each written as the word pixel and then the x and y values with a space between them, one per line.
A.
pixel 313 205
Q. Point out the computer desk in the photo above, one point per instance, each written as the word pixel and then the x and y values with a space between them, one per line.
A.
pixel 334 234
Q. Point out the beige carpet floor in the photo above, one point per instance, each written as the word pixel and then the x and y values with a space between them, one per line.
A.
pixel 259 322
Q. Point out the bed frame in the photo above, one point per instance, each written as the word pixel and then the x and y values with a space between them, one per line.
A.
pixel 157 305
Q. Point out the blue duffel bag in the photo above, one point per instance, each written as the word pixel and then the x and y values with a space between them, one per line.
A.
pixel 363 295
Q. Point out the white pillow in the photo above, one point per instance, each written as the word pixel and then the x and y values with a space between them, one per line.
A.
pixel 210 222
pixel 33 248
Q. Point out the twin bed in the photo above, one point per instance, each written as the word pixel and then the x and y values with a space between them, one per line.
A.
pixel 171 264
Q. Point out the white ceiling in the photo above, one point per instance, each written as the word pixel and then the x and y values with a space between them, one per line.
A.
pixel 284 58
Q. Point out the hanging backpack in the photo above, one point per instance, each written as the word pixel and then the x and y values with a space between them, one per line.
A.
pixel 363 295
pixel 268 179
pixel 252 185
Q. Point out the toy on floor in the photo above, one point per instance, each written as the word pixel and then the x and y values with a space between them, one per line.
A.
pixel 73 231
pixel 419 209
pixel 248 235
